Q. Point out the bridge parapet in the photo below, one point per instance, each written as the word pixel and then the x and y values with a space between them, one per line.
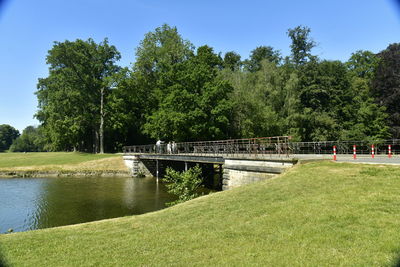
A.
pixel 263 145
pixel 278 145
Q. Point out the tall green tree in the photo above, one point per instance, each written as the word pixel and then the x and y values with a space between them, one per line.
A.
pixel 263 101
pixel 261 53
pixel 195 105
pixel 368 120
pixel 158 58
pixel 301 45
pixel 232 60
pixel 7 135
pixel 125 112
pixel 386 85
pixel 72 98
pixel 325 100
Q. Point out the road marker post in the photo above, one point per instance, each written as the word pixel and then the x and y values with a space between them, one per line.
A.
pixel 390 151
pixel 372 151
pixel 354 152
pixel 334 153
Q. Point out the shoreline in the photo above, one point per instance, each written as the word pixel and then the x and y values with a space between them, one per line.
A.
pixel 4 174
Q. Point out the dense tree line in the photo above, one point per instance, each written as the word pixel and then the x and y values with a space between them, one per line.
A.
pixel 7 136
pixel 175 91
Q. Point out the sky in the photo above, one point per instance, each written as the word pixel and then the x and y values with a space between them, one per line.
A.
pixel 29 28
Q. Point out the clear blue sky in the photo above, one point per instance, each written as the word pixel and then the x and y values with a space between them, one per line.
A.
pixel 29 28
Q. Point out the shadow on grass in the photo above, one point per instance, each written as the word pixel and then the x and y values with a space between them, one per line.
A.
pixel 396 262
pixel 3 262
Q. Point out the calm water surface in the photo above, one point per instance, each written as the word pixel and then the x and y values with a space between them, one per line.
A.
pixel 36 203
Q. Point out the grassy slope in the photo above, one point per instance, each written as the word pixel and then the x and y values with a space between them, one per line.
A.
pixel 47 161
pixel 317 214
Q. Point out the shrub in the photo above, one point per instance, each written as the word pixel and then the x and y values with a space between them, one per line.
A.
pixel 183 184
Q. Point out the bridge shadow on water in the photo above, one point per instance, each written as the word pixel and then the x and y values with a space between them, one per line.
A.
pixel 211 174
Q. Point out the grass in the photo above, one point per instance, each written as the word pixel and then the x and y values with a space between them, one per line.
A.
pixel 8 160
pixel 60 161
pixel 316 214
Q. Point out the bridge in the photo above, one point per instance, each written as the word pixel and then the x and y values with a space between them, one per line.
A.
pixel 242 161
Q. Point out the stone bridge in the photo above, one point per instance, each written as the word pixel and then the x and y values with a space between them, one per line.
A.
pixel 242 161
pixel 236 162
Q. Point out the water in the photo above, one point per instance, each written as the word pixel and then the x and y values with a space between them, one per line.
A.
pixel 36 203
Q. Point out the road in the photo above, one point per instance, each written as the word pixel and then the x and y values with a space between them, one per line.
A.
pixel 379 159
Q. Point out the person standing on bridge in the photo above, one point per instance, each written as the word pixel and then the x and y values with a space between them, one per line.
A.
pixel 173 147
pixel 158 146
pixel 169 148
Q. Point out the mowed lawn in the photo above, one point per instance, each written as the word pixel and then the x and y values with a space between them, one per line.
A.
pixel 9 160
pixel 61 161
pixel 316 214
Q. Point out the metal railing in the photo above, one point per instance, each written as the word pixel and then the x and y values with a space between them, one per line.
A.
pixel 277 145
pixel 263 145
pixel 345 147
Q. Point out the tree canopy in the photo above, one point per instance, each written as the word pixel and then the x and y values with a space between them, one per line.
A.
pixel 70 97
pixel 31 140
pixel 175 91
pixel 7 136
pixel 386 85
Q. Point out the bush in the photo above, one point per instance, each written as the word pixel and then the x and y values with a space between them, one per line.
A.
pixel 183 184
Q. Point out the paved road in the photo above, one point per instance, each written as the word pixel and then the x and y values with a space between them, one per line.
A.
pixel 379 159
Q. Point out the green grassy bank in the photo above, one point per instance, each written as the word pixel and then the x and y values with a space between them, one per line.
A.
pixel 316 214
pixel 30 164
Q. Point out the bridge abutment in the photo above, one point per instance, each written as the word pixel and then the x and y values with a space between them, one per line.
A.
pixel 238 172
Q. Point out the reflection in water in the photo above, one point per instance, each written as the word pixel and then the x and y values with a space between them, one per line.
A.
pixel 128 193
pixel 27 204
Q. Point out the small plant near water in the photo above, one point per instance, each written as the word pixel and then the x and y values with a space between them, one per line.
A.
pixel 183 184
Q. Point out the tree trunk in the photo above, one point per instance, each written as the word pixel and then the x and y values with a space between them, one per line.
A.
pixel 96 142
pixel 101 131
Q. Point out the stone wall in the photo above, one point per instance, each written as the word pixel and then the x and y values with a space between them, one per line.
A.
pixel 241 172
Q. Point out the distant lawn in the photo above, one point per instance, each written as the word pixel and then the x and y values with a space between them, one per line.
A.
pixel 61 162
pixel 10 160
pixel 317 214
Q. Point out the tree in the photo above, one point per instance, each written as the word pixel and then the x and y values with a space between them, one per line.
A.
pixel 31 140
pixel 363 64
pixel 386 85
pixel 71 98
pixel 368 120
pixel 185 99
pixel 157 58
pixel 263 101
pixel 259 54
pixel 195 102
pixel 232 60
pixel 301 45
pixel 185 185
pixel 325 99
pixel 125 112
pixel 7 135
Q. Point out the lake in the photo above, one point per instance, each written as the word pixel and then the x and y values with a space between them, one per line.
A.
pixel 37 203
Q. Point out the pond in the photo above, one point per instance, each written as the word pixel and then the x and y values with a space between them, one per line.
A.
pixel 36 203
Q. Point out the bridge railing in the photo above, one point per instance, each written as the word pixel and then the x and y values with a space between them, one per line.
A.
pixel 263 145
pixel 345 147
pixel 278 145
